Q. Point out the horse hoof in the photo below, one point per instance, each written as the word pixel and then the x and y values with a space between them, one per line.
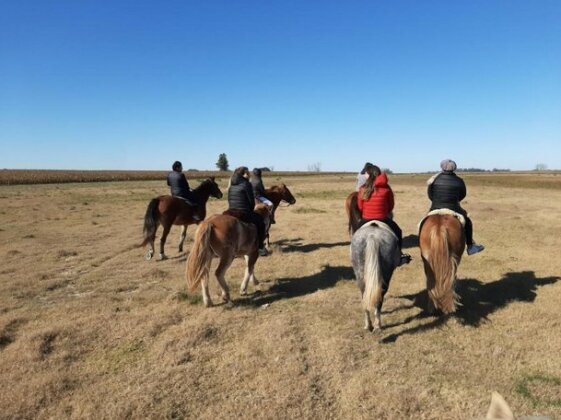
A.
pixel 148 256
pixel 163 257
pixel 208 304
pixel 243 292
pixel 369 328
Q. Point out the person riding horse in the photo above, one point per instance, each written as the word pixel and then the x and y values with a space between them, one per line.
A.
pixel 446 190
pixel 241 203
pixel 259 191
pixel 180 188
pixel 376 201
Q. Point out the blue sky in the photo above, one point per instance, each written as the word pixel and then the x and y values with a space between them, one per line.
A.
pixel 404 84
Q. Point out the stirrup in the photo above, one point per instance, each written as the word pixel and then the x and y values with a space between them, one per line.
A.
pixel 404 259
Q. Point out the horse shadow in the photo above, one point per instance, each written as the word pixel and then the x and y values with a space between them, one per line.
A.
pixel 295 245
pixel 410 241
pixel 478 300
pixel 287 288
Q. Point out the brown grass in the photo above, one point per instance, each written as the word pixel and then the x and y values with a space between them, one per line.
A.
pixel 88 329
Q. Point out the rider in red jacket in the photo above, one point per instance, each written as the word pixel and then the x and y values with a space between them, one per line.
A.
pixel 375 202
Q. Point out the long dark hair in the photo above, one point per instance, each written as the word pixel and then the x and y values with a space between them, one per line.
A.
pixel 372 172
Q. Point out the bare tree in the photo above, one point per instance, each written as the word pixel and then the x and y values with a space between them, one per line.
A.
pixel 541 167
pixel 315 167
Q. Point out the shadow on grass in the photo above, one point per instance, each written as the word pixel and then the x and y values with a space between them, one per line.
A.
pixel 478 300
pixel 296 245
pixel 287 288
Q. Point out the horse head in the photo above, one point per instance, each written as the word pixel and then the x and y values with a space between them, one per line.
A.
pixel 210 187
pixel 286 195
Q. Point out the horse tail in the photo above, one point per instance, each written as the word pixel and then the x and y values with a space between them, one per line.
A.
pixel 373 276
pixel 353 213
pixel 150 221
pixel 200 257
pixel 444 266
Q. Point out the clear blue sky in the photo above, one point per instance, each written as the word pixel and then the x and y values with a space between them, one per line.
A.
pixel 136 85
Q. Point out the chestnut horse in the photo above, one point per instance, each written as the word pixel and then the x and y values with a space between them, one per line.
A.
pixel 225 237
pixel 353 213
pixel 442 242
pixel 276 194
pixel 168 210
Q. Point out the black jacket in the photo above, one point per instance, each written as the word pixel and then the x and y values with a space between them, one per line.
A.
pixel 258 187
pixel 240 194
pixel 179 185
pixel 446 190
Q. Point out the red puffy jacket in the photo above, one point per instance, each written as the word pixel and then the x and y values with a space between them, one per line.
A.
pixel 380 204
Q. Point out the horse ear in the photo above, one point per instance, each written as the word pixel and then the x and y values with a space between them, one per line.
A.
pixel 212 178
pixel 283 185
pixel 499 409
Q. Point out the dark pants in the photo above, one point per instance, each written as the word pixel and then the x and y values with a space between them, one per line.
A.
pixel 468 228
pixel 391 223
pixel 250 217
pixel 191 201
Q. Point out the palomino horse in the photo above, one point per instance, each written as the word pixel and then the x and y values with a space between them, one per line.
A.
pixel 168 210
pixel 442 242
pixel 375 255
pixel 225 237
pixel 353 213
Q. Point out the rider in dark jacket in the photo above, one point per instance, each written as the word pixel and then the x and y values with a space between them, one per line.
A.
pixel 259 192
pixel 180 188
pixel 446 190
pixel 242 201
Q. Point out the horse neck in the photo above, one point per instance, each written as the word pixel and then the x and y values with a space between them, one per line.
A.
pixel 274 195
pixel 203 192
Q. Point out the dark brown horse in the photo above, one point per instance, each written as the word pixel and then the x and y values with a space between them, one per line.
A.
pixel 225 237
pixel 442 243
pixel 353 213
pixel 168 210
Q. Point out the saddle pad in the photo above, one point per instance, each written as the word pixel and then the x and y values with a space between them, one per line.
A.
pixel 446 212
pixel 380 224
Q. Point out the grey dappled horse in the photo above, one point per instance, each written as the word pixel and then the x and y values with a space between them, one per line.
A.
pixel 375 255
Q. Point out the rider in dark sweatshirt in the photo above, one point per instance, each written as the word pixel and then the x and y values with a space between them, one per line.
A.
pixel 446 190
pixel 180 188
pixel 242 201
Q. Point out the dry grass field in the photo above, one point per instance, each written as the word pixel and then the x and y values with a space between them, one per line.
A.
pixel 89 329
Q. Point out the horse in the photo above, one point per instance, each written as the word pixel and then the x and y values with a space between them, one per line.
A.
pixel 442 242
pixel 168 210
pixel 375 255
pixel 278 193
pixel 225 237
pixel 353 213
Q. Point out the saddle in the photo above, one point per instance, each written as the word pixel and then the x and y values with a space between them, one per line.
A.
pixel 445 212
pixel 379 224
pixel 187 201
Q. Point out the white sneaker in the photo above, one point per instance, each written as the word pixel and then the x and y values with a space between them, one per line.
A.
pixel 474 249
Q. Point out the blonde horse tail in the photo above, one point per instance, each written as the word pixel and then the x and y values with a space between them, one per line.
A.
pixel 373 277
pixel 444 266
pixel 200 257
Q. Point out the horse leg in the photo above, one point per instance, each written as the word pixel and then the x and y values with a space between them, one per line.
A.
pixel 165 233
pixel 249 272
pixel 182 237
pixel 207 301
pixel 377 318
pixel 225 262
pixel 367 321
